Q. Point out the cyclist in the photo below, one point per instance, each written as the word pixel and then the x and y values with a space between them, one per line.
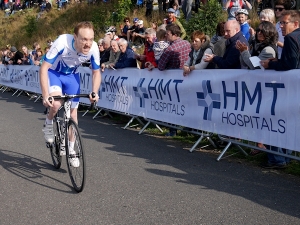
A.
pixel 59 74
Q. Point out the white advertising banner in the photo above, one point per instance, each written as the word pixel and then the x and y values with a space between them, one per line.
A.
pixel 256 105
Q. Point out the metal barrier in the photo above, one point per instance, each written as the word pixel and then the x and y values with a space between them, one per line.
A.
pixel 203 134
pixel 253 145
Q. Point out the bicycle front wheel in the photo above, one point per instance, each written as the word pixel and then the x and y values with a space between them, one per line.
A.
pixel 75 156
pixel 55 147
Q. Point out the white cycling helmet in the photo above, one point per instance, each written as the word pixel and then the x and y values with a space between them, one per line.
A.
pixel 242 11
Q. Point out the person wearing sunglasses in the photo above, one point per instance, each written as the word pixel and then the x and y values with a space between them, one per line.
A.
pixel 264 46
pixel 125 28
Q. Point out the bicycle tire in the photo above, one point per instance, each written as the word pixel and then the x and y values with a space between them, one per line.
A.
pixel 77 174
pixel 55 147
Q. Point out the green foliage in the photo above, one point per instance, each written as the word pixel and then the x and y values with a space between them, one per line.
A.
pixel 206 19
pixel 31 26
pixel 121 10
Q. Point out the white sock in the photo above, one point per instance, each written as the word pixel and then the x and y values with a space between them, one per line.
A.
pixel 71 144
pixel 48 121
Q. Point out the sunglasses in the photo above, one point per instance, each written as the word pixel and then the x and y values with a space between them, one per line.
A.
pixel 259 30
pixel 279 9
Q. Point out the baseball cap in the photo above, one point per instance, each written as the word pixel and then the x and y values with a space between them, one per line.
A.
pixel 140 22
pixel 13 49
pixel 171 10
pixel 135 20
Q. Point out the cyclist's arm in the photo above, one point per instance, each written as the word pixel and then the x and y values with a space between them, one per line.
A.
pixel 96 82
pixel 44 80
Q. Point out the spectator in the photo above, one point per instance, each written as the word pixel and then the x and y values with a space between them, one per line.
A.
pixel 111 32
pixel 37 57
pixel 187 9
pixel 26 56
pixel 290 57
pixel 280 7
pixel 125 28
pixel 265 15
pixel 49 42
pixel 162 5
pixel 149 8
pixel 15 56
pixel 5 56
pixel 113 57
pixel 230 60
pixel 232 6
pixel 100 47
pixel 35 46
pixel 172 19
pixel 177 53
pixel 48 6
pixel 147 58
pixel 200 46
pixel 154 25
pixel 242 17
pixel 132 29
pixel 219 41
pixel 138 36
pixel 43 57
pixel 106 53
pixel 264 47
pixel 126 58
pixel 175 6
pixel 160 44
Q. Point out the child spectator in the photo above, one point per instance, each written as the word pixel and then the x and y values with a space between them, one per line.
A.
pixel 160 44
pixel 242 17
pixel 176 8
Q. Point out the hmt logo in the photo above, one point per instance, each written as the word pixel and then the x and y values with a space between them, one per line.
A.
pixel 242 106
pixel 208 100
pixel 162 95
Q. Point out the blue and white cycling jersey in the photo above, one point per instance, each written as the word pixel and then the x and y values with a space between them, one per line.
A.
pixel 65 59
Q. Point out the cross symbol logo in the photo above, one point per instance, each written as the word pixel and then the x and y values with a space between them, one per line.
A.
pixel 208 100
pixel 141 92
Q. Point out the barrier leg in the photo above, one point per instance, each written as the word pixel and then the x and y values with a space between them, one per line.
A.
pixel 212 142
pixel 129 122
pixel 224 150
pixel 196 143
pixel 15 92
pixel 158 127
pixel 97 113
pixel 147 124
pixel 4 89
pixel 38 98
pixel 141 122
pixel 242 150
pixel 20 93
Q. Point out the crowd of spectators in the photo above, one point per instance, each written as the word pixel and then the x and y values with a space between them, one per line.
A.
pixel 164 47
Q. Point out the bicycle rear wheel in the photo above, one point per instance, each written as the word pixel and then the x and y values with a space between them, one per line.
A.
pixel 55 147
pixel 75 156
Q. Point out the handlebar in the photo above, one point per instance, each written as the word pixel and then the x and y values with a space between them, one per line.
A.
pixel 68 97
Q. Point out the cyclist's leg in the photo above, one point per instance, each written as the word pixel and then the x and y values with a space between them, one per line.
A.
pixel 71 85
pixel 55 88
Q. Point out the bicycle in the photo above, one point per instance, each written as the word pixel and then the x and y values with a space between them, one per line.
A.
pixel 61 137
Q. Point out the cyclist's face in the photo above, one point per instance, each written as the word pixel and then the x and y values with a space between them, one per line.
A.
pixel 84 40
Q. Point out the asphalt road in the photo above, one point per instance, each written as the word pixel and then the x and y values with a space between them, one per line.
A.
pixel 131 179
